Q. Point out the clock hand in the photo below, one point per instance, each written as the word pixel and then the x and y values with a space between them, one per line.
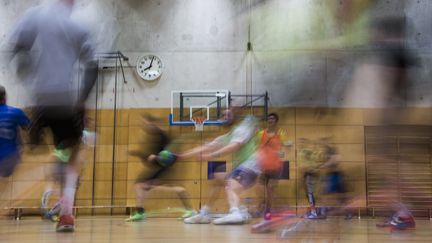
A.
pixel 151 64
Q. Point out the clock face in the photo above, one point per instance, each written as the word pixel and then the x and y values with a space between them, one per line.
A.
pixel 149 67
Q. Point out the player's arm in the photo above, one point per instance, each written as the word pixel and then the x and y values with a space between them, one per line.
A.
pixel 90 64
pixel 232 147
pixel 206 148
pixel 240 136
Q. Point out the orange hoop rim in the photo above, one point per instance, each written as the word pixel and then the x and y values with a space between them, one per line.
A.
pixel 198 119
pixel 198 122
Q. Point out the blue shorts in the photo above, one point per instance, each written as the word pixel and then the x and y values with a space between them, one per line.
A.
pixel 335 183
pixel 245 177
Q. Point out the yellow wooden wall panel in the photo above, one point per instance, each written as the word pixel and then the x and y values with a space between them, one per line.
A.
pixel 84 190
pixel 138 135
pixel 32 171
pixel 104 153
pixel 135 115
pixel 103 171
pixel 400 116
pixel 351 152
pixel 120 171
pixel 337 134
pixel 102 189
pixel 329 116
pixel 285 189
pixel 105 117
pixel 105 135
pixel 87 171
pixel 20 202
pixel 22 190
pixel 5 190
pixel 120 189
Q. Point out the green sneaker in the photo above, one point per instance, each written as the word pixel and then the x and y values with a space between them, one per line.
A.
pixel 136 217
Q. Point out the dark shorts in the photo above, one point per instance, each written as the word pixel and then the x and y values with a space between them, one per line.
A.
pixel 334 183
pixel 245 177
pixel 8 164
pixel 265 177
pixel 66 124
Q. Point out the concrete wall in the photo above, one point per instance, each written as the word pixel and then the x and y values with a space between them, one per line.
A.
pixel 304 52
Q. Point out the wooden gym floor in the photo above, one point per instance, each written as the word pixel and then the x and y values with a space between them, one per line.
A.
pixel 114 229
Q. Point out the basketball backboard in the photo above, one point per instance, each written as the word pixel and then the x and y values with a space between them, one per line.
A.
pixel 189 104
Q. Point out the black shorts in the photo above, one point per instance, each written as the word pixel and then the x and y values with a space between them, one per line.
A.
pixel 66 124
pixel 265 177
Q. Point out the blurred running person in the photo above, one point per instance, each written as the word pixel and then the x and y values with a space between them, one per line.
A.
pixel 242 142
pixel 59 49
pixel 157 158
pixel 11 119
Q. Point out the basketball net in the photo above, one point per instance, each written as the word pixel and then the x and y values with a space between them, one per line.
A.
pixel 198 123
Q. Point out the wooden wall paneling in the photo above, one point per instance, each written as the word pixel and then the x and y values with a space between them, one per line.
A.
pixel 329 116
pixel 27 190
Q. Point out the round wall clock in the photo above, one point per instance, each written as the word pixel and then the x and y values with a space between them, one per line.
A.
pixel 149 67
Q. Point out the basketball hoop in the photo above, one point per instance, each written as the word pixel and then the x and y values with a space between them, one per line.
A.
pixel 199 123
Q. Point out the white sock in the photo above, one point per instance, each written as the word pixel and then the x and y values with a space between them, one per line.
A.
pixel 69 192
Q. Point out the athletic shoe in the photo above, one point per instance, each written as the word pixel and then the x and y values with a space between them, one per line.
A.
pixel 400 223
pixel 245 213
pixel 188 213
pixel 136 217
pixel 348 216
pixel 201 218
pixel 45 198
pixel 384 223
pixel 234 217
pixel 66 223
pixel 51 216
pixel 311 215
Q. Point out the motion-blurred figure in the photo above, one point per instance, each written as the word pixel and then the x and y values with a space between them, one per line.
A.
pixel 157 157
pixel 334 184
pixel 242 142
pixel 382 81
pixel 11 119
pixel 272 140
pixel 56 46
pixel 310 161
